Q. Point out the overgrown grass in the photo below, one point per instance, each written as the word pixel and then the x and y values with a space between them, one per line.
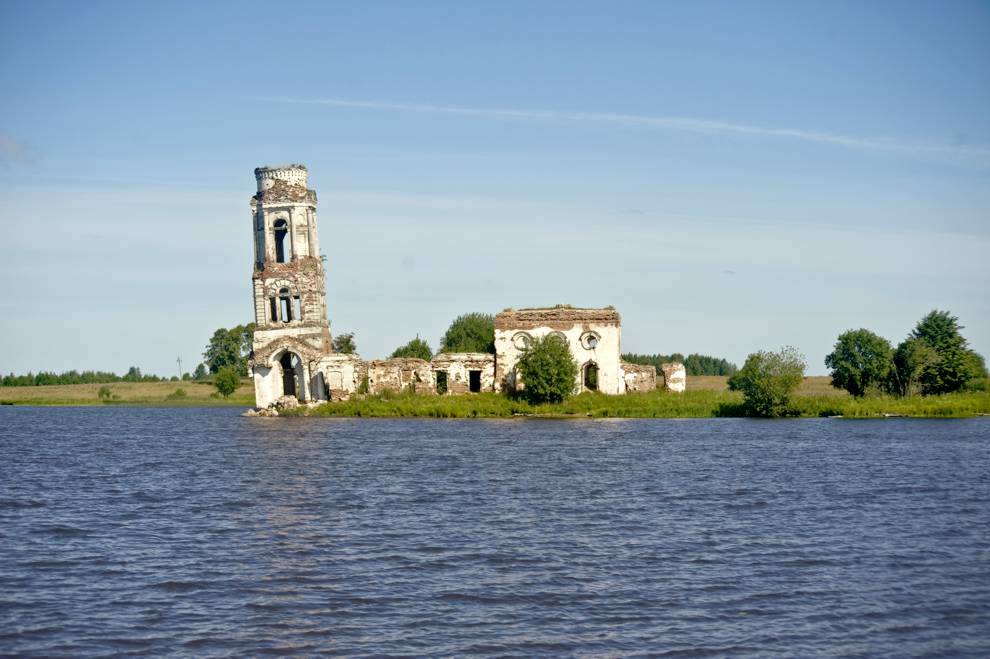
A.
pixel 653 404
pixel 657 404
pixel 127 393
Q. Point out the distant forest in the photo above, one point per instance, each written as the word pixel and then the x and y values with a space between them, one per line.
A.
pixel 85 377
pixel 693 364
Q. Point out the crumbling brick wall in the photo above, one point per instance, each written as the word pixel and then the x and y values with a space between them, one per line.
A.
pixel 639 377
pixel 400 374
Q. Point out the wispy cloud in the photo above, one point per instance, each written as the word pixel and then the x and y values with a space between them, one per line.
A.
pixel 684 124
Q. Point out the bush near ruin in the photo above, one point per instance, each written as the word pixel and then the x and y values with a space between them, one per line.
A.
pixel 768 380
pixel 548 370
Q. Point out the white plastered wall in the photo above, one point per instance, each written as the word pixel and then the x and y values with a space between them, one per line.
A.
pixel 606 354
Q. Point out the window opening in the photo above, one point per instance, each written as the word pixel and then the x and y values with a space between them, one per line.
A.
pixel 474 381
pixel 273 308
pixel 282 248
pixel 285 305
pixel 591 376
pixel 441 382
pixel 297 308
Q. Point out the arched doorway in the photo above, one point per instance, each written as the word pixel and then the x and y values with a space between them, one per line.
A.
pixel 589 376
pixel 290 364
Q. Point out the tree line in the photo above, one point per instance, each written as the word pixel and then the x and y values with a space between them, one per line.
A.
pixel 44 378
pixel 935 358
pixel 694 364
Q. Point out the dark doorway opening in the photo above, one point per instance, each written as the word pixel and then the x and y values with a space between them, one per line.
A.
pixel 441 382
pixel 288 363
pixel 474 381
pixel 591 376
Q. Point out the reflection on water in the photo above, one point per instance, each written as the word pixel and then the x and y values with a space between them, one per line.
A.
pixel 192 531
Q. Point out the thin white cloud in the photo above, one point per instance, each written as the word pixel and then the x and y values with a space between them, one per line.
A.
pixel 685 124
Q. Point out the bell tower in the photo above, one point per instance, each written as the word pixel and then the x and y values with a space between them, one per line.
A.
pixel 290 310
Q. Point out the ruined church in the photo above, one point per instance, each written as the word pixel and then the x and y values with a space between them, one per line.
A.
pixel 293 353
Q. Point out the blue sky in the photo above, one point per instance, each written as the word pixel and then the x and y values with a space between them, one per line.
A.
pixel 731 176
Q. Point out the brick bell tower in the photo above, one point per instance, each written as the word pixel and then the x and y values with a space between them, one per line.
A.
pixel 290 309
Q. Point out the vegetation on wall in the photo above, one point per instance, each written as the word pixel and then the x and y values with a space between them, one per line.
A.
pixel 471 332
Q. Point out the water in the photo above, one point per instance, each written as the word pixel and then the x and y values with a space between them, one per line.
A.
pixel 197 531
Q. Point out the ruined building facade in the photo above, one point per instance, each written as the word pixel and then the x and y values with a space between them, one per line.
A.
pixel 293 354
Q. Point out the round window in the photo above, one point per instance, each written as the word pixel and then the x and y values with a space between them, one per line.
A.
pixel 521 340
pixel 590 340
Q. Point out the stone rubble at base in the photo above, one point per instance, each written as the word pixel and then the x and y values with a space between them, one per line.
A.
pixel 292 359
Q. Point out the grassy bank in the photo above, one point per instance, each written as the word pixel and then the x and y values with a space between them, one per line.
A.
pixel 127 393
pixel 698 403
pixel 706 397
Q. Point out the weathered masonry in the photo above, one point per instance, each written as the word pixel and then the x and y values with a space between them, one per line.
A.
pixel 293 358
pixel 594 337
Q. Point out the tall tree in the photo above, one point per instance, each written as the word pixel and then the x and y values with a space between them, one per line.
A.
pixel 471 332
pixel 911 359
pixel 230 347
pixel 955 364
pixel 860 361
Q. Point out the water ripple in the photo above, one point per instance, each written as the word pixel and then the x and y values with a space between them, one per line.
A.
pixel 185 531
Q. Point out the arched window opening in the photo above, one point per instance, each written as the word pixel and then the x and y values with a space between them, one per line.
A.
pixel 285 305
pixel 290 371
pixel 297 308
pixel 282 246
pixel 591 376
pixel 273 309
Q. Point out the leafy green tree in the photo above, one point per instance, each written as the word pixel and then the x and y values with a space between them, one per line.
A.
pixel 471 332
pixel 911 358
pixel 344 343
pixel 417 348
pixel 227 380
pixel 768 379
pixel 955 364
pixel 230 347
pixel 861 361
pixel 133 375
pixel 200 372
pixel 548 370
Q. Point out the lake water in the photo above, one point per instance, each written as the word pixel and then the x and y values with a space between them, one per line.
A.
pixel 198 531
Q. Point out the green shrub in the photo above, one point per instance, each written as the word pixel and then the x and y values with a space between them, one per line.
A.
pixel 178 394
pixel 548 370
pixel 768 379
pixel 227 380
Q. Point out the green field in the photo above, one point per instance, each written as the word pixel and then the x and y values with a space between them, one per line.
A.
pixel 127 393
